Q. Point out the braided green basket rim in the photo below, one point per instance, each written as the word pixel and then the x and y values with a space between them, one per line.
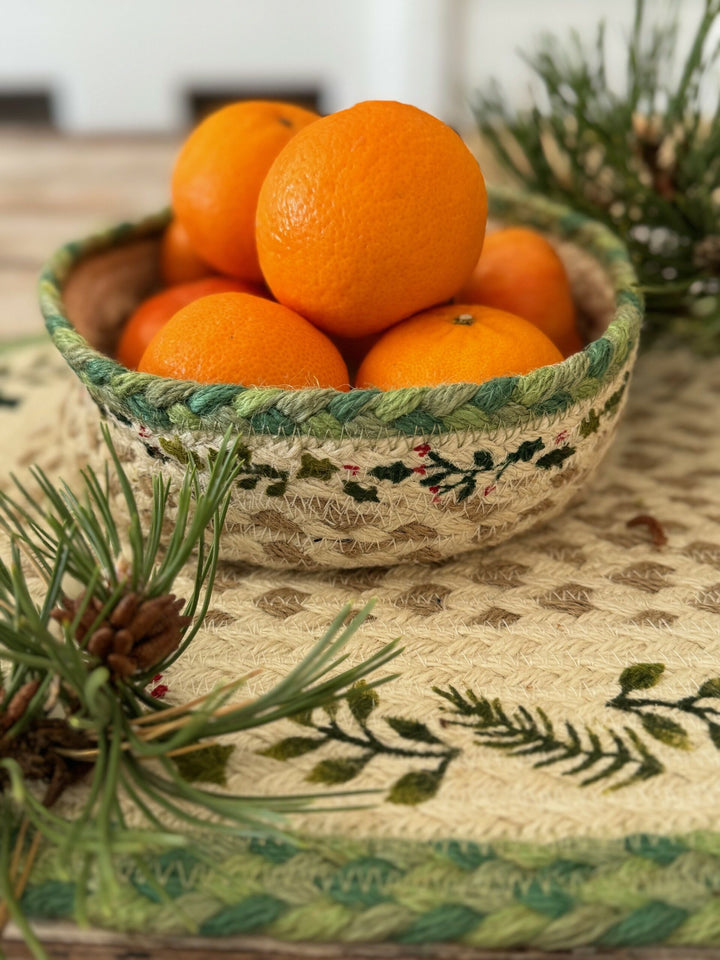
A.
pixel 500 403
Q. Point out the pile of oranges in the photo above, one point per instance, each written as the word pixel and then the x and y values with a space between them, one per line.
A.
pixel 339 251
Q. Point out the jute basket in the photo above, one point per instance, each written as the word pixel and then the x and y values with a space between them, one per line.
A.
pixel 332 479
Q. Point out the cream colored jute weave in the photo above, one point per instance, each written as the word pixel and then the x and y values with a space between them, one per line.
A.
pixel 557 709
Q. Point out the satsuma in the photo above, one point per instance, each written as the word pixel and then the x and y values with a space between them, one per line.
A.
pixel 455 343
pixel 218 174
pixel 519 271
pixel 369 215
pixel 241 338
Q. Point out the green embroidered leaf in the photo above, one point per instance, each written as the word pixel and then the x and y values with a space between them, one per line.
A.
pixel 714 732
pixel 416 787
pixel 411 730
pixel 711 688
pixel 243 454
pixel 292 747
pixel 276 489
pixel 526 451
pixel 362 700
pixel 310 466
pixel 175 449
pixel 267 470
pixel 556 457
pixel 433 480
pixel 665 730
pixel 338 771
pixel 463 492
pixel 208 765
pixel 303 717
pixel 612 402
pixel 247 483
pixel 360 493
pixel 394 472
pixel 590 424
pixel 483 460
pixel 641 676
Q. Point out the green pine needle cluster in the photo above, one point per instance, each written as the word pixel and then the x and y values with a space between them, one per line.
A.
pixel 62 701
pixel 644 160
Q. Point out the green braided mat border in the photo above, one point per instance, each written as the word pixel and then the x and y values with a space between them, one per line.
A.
pixel 501 403
pixel 631 891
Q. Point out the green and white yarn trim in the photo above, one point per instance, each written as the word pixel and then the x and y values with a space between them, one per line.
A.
pixel 627 892
pixel 500 404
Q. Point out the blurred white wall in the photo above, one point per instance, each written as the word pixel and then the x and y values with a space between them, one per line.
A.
pixel 128 65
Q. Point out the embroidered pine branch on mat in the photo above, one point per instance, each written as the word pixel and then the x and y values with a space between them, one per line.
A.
pixel 76 699
pixel 642 159
pixel 609 756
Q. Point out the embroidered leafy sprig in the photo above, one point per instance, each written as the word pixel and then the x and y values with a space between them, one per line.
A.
pixel 619 756
pixel 412 740
pixel 442 476
pixel 700 705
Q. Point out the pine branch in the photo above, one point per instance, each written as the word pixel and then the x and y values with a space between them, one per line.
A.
pixel 645 161
pixel 92 672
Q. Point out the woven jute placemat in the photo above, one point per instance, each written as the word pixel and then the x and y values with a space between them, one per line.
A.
pixel 547 763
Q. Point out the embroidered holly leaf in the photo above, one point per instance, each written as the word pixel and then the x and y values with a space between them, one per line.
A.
pixel 292 747
pixel 303 718
pixel 711 688
pixel 394 472
pixel 611 404
pixel 463 492
pixel 524 454
pixel 174 448
pixel 416 787
pixel 311 466
pixel 556 457
pixel 338 770
pixel 276 489
pixel 526 451
pixel 433 480
pixel 714 731
pixel 247 483
pixel 411 730
pixel 208 765
pixel 590 424
pixel 362 700
pixel 180 453
pixel 243 454
pixel 641 676
pixel 360 493
pixel 483 460
pixel 665 730
pixel 267 470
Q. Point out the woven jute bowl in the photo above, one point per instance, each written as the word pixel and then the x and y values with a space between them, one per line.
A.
pixel 331 479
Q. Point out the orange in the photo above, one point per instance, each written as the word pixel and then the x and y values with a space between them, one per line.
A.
pixel 217 178
pixel 520 271
pixel 455 343
pixel 178 261
pixel 241 338
pixel 155 312
pixel 369 215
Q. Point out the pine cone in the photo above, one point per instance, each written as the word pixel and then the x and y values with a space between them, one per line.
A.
pixel 137 634
pixel 35 751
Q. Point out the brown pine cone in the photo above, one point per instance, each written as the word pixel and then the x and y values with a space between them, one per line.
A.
pixel 137 634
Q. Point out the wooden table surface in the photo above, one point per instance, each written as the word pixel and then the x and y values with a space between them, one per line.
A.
pixel 54 189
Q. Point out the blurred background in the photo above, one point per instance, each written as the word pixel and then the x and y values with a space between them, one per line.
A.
pixel 96 96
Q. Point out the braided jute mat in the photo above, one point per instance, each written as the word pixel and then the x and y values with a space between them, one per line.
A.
pixel 547 763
